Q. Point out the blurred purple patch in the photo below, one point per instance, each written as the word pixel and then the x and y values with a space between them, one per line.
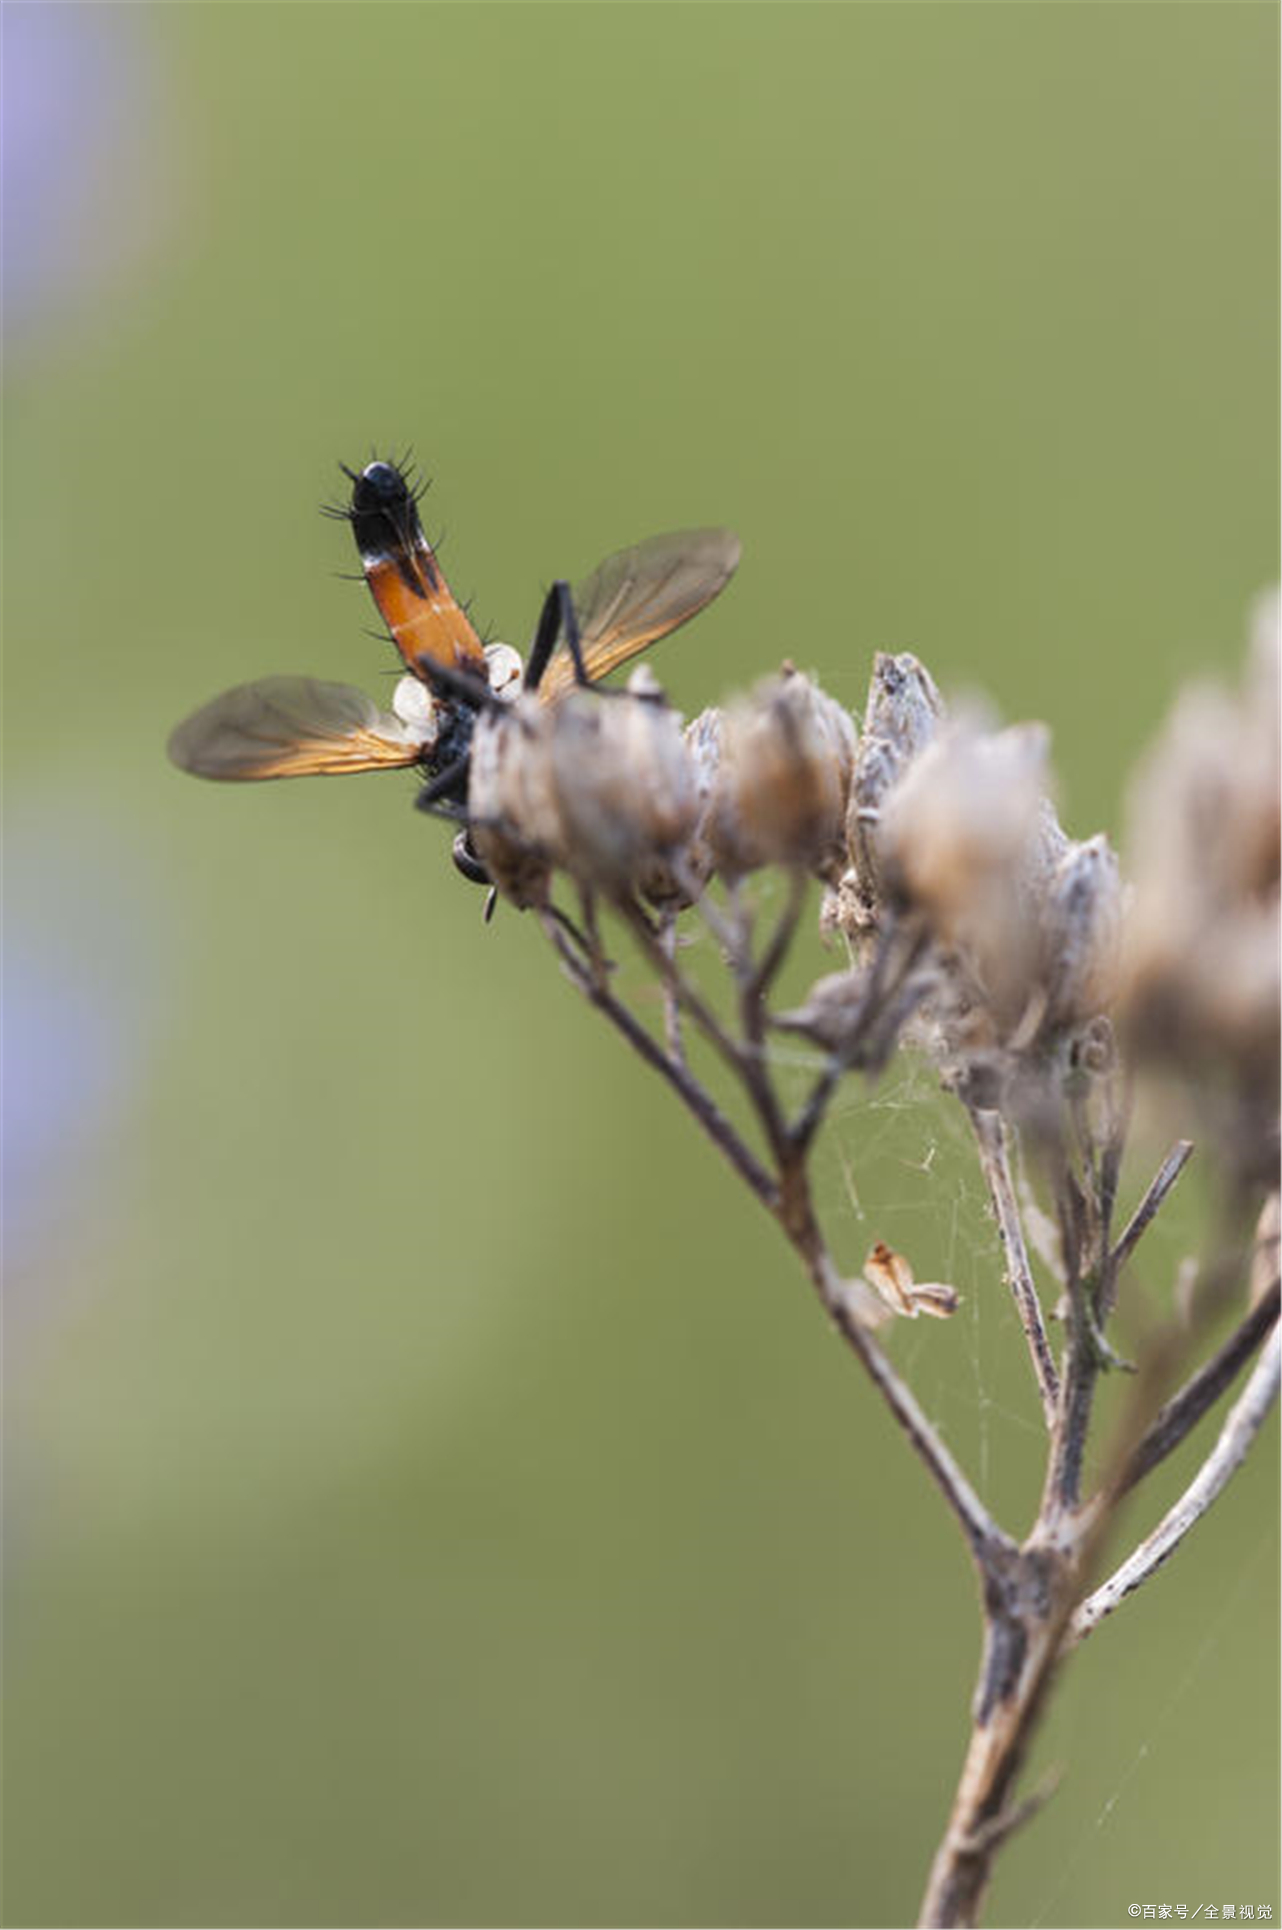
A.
pixel 82 170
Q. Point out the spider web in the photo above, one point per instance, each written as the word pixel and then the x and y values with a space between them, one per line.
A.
pixel 897 1163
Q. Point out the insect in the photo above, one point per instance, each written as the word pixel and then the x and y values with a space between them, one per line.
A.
pixel 303 727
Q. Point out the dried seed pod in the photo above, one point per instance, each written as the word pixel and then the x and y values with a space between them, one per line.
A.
pixel 704 739
pixel 959 828
pixel 1200 969
pixel 677 880
pixel 1081 932
pixel 834 1006
pixel 786 762
pixel 514 824
pixel 903 715
pixel 623 784
pixel 966 840
pixel 904 707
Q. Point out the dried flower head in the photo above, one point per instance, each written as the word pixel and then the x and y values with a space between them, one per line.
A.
pixel 512 808
pixel 695 862
pixel 787 755
pixel 1081 934
pixel 623 784
pixel 904 713
pixel 1201 967
pixel 966 843
pixel 834 1008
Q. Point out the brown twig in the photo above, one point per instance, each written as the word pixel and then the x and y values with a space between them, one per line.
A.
pixel 990 1137
pixel 699 1102
pixel 1185 1409
pixel 1158 1188
pixel 672 1036
pixel 790 1203
pixel 1245 1419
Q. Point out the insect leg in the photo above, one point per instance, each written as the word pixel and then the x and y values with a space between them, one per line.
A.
pixel 558 618
pixel 459 683
pixel 570 627
pixel 468 862
pixel 443 784
pixel 544 639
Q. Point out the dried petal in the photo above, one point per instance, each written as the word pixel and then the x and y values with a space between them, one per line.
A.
pixel 889 1274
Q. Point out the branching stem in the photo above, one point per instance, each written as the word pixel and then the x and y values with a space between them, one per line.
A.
pixel 1158 1188
pixel 1182 1413
pixel 1034 1610
pixel 1245 1419
pixel 990 1137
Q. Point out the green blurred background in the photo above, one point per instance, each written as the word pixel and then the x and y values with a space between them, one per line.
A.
pixel 433 1496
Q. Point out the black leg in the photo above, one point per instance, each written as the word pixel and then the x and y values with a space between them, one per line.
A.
pixel 544 640
pixel 570 630
pixel 468 862
pixel 473 690
pixel 558 618
pixel 443 784
pixel 452 813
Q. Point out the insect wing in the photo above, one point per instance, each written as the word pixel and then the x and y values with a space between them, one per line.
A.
pixel 641 594
pixel 291 727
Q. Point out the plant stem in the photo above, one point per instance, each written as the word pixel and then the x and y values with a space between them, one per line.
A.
pixel 678 1075
pixel 1185 1409
pixel 1024 1620
pixel 990 1137
pixel 1244 1422
pixel 1158 1188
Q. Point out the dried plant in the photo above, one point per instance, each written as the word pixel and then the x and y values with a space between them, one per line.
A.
pixel 1051 997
